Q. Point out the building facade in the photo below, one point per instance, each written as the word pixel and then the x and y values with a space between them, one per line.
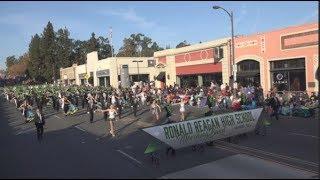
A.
pixel 110 71
pixel 68 75
pixel 286 58
pixel 196 64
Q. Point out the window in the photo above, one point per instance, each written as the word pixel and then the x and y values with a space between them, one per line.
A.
pixel 248 65
pixel 151 63
pixel 288 75
pixel 288 64
pixel 82 81
pixel 218 53
pixel 102 81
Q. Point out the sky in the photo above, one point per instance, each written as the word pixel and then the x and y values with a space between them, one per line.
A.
pixel 167 23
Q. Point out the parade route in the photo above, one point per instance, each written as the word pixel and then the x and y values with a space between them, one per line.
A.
pixel 73 147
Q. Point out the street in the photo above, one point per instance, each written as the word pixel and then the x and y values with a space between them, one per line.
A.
pixel 74 148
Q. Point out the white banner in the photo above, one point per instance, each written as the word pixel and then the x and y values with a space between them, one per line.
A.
pixel 197 131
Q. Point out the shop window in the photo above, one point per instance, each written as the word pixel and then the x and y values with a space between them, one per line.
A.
pixel 82 82
pixel 248 65
pixel 102 81
pixel 288 64
pixel 288 75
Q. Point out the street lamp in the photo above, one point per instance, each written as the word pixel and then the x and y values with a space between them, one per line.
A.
pixel 137 61
pixel 234 69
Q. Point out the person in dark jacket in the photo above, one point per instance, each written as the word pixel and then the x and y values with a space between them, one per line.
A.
pixel 274 103
pixel 84 100
pixel 39 122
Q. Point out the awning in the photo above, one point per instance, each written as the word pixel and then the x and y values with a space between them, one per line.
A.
pixel 161 76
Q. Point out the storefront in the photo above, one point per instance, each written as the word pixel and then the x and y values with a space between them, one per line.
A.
pixel 103 77
pixel 137 78
pixel 196 65
pixel 200 79
pixel 284 58
pixel 288 75
pixel 248 73
pixel 82 78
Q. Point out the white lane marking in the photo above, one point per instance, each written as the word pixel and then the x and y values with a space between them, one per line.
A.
pixel 57 116
pixel 269 153
pixel 15 122
pixel 298 134
pixel 264 158
pixel 80 128
pixel 129 156
pixel 28 130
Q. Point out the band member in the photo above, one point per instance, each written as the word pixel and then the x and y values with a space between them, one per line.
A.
pixel 156 109
pixel 39 122
pixel 91 108
pixel 66 105
pixel 112 116
pixel 182 110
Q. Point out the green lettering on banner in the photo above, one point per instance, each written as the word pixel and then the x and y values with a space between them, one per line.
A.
pixel 209 124
pixel 171 131
pixel 166 132
pixel 181 129
pixel 200 126
pixel 189 128
pixel 223 120
pixel 205 126
pixel 238 119
pixel 196 126
pixel 217 124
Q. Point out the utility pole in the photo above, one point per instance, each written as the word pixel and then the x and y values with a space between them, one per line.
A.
pixel 110 37
pixel 234 68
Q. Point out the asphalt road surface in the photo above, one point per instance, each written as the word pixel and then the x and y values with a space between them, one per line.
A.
pixel 74 148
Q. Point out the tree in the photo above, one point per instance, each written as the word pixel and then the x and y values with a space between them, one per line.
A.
pixel 92 44
pixel 48 53
pixel 64 47
pixel 10 61
pixel 183 44
pixel 36 64
pixel 78 54
pixel 20 68
pixel 138 45
pixel 104 48
pixel 129 48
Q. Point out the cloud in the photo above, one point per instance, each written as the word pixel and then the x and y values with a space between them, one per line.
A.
pixel 131 16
